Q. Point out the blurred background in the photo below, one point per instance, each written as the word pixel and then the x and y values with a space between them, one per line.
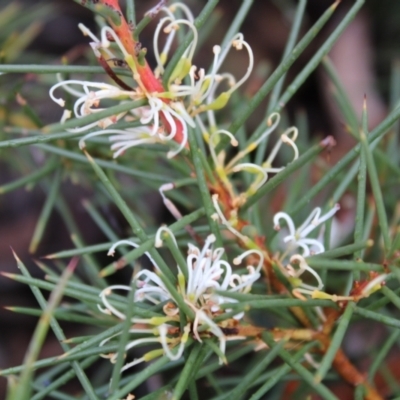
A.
pixel 46 32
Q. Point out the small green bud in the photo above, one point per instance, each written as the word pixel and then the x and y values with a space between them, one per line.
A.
pixel 151 355
pixel 218 103
pixel 181 70
pixel 141 57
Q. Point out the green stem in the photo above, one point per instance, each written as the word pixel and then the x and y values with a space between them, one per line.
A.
pixel 361 194
pixel 166 275
pixel 237 22
pixel 342 251
pixel 204 191
pixel 392 296
pixel 61 380
pixel 319 55
pixel 46 211
pixel 383 319
pixel 187 372
pixel 336 341
pixel 139 378
pixel 178 257
pixel 383 352
pixel 280 372
pixel 376 190
pixel 276 91
pixel 104 163
pixel 273 303
pixel 29 179
pixel 56 69
pixel 84 250
pixel 342 265
pixel 14 143
pixel 48 308
pixel 253 374
pixel 83 293
pixel 302 371
pixel 130 12
pixel 344 182
pixel 124 338
pixel 276 75
pixel 294 33
pixel 88 119
pixel 63 315
pixel 345 103
pixel 140 26
pixel 194 395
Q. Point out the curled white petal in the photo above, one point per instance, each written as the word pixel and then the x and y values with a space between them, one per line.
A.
pixel 108 291
pixel 373 284
pixel 238 43
pixel 240 258
pixel 305 267
pixel 106 30
pixel 212 145
pixel 261 178
pixel 298 237
pixel 225 221
pixel 111 251
pixel 158 238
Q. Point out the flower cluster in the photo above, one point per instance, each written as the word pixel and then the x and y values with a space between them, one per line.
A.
pixel 170 110
pixel 297 239
pixel 260 171
pixel 297 266
pixel 207 274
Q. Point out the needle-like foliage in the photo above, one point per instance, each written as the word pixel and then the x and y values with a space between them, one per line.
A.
pixel 257 280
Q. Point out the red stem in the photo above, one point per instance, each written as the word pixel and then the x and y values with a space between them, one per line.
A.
pixel 147 77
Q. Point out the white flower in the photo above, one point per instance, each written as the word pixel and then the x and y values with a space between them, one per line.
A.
pixel 199 94
pixel 161 119
pixel 89 99
pixel 154 116
pixel 206 273
pixel 298 237
pixel 260 171
pixel 294 275
pixel 168 113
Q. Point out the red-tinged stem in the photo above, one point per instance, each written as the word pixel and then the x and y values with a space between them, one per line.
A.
pixel 123 31
pixel 150 82
pixel 147 77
